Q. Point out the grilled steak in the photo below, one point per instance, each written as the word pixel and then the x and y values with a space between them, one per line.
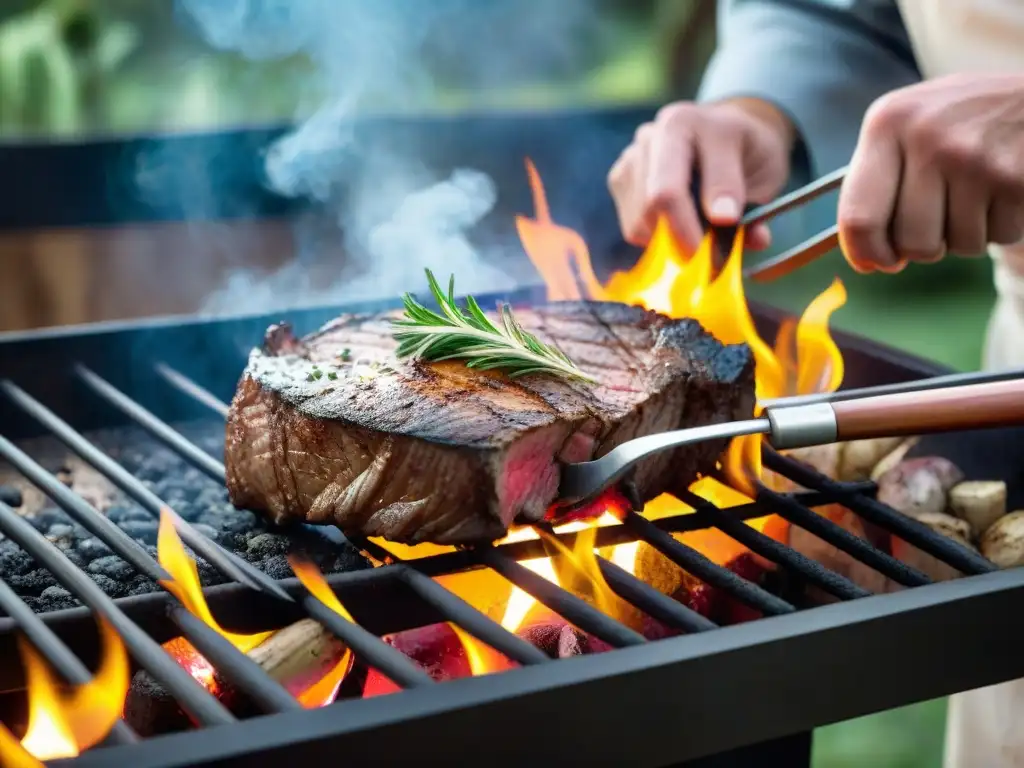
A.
pixel 333 429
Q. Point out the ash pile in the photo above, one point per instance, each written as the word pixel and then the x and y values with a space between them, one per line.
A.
pixel 196 497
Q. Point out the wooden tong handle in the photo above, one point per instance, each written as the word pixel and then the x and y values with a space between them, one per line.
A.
pixel 972 406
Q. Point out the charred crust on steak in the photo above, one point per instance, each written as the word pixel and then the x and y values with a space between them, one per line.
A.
pixel 455 455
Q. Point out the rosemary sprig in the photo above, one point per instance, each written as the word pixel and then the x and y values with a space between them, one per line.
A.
pixel 471 336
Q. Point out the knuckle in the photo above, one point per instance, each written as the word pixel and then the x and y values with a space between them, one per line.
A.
pixel 886 114
pixel 963 150
pixel 662 198
pixel 857 225
pixel 677 113
pixel 642 133
pixel 1006 173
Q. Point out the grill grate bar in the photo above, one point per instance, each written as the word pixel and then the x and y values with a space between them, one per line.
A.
pixel 160 429
pixel 565 604
pixel 226 562
pixel 478 624
pixel 193 698
pixel 402 670
pixel 757 542
pixel 56 653
pixel 185 385
pixel 234 665
pixel 842 539
pixel 922 537
pixel 651 601
pixel 83 512
pixel 692 561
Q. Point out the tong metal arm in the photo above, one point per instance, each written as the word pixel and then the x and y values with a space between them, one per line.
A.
pixel 807 251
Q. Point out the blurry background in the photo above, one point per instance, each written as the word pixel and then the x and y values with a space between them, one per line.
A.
pixel 72 70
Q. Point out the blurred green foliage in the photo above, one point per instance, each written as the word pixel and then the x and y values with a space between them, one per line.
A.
pixel 73 67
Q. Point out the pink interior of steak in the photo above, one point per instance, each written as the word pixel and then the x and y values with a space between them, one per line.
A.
pixel 529 474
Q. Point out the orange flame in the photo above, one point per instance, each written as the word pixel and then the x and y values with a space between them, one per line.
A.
pixel 184 583
pixel 64 723
pixel 669 280
pixel 483 660
pixel 13 754
pixel 324 691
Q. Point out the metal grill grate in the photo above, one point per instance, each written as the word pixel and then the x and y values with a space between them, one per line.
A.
pixel 271 697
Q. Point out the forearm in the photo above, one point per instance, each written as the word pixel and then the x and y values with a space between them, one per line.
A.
pixel 820 63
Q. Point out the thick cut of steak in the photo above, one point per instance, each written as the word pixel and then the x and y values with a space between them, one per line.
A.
pixel 333 429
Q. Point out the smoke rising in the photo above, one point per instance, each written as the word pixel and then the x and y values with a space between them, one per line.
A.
pixel 394 216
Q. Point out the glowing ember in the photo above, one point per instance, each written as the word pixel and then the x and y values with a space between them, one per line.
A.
pixel 63 723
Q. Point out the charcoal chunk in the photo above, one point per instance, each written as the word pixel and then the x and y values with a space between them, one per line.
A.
pixel 122 514
pixel 32 582
pixel 57 598
pixel 92 548
pixel 14 561
pixel 113 567
pixel 11 496
pixel 112 587
pixel 143 530
pixel 265 545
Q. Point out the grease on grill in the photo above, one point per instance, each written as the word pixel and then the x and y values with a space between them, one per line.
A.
pixel 196 497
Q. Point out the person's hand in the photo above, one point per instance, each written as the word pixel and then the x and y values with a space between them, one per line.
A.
pixel 741 148
pixel 938 167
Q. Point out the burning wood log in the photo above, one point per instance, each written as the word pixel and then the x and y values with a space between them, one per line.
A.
pixel 945 525
pixel 981 503
pixel 1003 542
pixel 298 657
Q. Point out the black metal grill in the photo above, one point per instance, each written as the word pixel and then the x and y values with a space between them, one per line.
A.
pixel 353 725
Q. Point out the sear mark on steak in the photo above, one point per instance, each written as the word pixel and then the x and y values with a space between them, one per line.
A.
pixel 332 429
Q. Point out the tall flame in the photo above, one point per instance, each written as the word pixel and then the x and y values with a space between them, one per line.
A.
pixel 13 754
pixel 324 691
pixel 184 583
pixel 64 723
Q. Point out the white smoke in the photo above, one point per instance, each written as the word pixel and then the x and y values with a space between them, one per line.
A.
pixel 394 217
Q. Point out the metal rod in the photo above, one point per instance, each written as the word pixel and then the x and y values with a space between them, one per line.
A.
pixel 841 539
pixel 652 602
pixel 787 262
pixel 915 533
pixel 478 624
pixel 184 384
pixel 224 561
pixel 236 667
pixel 794 199
pixel 153 424
pixel 918 385
pixel 402 670
pixel 692 561
pixel 565 604
pixel 192 697
pixel 767 547
pixel 58 655
pixel 83 512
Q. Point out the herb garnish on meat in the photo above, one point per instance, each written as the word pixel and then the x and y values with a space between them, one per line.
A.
pixel 471 336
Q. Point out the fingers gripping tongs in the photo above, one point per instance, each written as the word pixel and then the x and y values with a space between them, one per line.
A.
pixel 800 255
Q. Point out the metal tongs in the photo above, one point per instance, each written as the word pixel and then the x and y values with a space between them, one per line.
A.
pixel 989 400
pixel 800 255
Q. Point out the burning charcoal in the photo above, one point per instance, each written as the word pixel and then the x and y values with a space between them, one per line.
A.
pixel 980 503
pixel 920 485
pixel 266 544
pixel 11 496
pixel 298 656
pixel 442 654
pixel 276 566
pixel 230 520
pixel 112 566
pixel 1003 542
pixel 559 639
pixel 935 569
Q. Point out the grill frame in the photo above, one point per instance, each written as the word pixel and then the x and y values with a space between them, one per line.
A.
pixel 709 672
